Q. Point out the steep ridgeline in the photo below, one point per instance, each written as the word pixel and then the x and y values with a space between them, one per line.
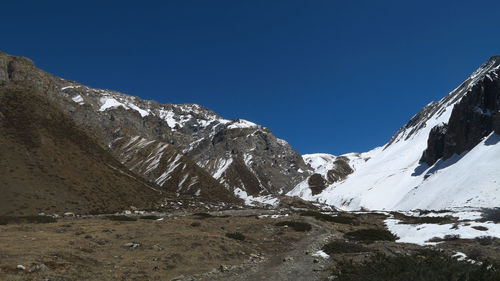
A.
pixel 244 158
pixel 446 156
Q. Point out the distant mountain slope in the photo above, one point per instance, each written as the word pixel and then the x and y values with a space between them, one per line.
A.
pixel 50 165
pixel 238 153
pixel 446 156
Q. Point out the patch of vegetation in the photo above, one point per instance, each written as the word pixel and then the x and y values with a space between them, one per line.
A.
pixel 329 218
pixel 448 237
pixel 195 224
pixel 421 220
pixel 424 265
pixel 480 228
pixel 4 220
pixel 150 217
pixel 201 216
pixel 236 235
pixel 371 235
pixel 485 240
pixel 121 218
pixel 341 247
pixel 491 215
pixel 296 225
pixel 425 212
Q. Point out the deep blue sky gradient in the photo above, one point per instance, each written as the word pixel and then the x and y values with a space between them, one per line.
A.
pixel 327 76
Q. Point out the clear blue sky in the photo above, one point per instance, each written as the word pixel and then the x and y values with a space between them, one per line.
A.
pixel 328 76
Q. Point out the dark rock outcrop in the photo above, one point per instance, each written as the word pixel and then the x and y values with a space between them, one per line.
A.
pixel 473 118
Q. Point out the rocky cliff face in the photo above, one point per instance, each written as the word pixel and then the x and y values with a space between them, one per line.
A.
pixel 238 154
pixel 473 118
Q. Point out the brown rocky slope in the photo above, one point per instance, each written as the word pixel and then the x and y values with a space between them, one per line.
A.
pixel 50 165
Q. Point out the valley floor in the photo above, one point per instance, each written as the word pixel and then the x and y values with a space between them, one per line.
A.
pixel 233 244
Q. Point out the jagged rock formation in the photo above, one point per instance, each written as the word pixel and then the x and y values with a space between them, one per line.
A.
pixel 473 118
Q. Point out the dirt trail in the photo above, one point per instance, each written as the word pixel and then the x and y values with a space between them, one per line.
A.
pixel 292 265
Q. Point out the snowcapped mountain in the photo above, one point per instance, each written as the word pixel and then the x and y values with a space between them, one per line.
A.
pixel 184 148
pixel 445 156
pixel 239 154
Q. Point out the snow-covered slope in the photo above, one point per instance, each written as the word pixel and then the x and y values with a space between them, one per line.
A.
pixel 396 176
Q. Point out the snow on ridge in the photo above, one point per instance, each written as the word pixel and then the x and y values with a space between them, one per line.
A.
pixel 222 167
pixel 78 99
pixel 111 102
pixel 241 124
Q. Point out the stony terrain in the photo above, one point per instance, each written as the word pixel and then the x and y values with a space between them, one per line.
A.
pixel 193 241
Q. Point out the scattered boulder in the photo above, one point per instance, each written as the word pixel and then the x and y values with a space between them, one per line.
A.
pixel 131 245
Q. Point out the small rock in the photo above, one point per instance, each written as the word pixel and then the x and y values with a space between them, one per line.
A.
pixel 38 267
pixel 223 268
pixel 69 214
pixel 157 247
pixel 20 267
pixel 131 245
pixel 315 261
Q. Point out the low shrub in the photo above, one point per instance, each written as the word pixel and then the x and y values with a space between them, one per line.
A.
pixel 485 240
pixel 121 218
pixel 341 247
pixel 150 217
pixel 448 237
pixel 201 216
pixel 480 228
pixel 296 225
pixel 371 235
pixel 4 220
pixel 329 218
pixel 236 235
pixel 491 215
pixel 421 220
pixel 424 265
pixel 195 224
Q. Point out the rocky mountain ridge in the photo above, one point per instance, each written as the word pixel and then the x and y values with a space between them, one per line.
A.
pixel 241 156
